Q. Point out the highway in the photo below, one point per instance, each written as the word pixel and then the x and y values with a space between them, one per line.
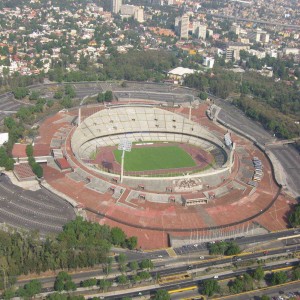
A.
pixel 170 266
pixel 192 282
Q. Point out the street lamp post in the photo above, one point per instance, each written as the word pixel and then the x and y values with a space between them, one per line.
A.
pixel 125 145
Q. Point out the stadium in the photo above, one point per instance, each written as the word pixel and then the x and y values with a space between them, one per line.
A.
pixel 185 177
pixel 168 151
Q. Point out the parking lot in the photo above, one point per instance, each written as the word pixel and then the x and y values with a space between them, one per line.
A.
pixel 40 210
pixel 189 249
pixel 8 105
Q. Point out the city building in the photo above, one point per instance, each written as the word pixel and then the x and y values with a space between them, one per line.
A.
pixel 178 74
pixel 136 12
pixel 183 27
pixel 116 6
pixel 139 14
pixel 202 32
pixel 233 51
pixel 209 62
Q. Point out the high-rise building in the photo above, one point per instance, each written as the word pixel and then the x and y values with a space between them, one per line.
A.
pixel 116 6
pixel 184 27
pixel 196 25
pixel 202 32
pixel 235 28
pixel 139 14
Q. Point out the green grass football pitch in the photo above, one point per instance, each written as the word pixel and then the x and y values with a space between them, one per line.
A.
pixel 155 158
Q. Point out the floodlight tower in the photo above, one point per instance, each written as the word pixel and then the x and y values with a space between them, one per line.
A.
pixel 125 145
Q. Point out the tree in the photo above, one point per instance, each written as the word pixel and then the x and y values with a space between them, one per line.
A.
pixel 58 94
pixel 29 150
pixel 34 95
pixel 100 97
pixel 9 164
pixel 296 273
pixel 8 294
pixel 3 157
pixel 232 249
pixel 236 286
pixel 69 90
pixel 210 287
pixel 20 92
pixel 144 275
pixel 108 96
pixel 279 278
pixel 258 273
pixel 203 95
pixel 146 264
pixel 264 297
pixel 30 289
pixel 133 265
pixel 37 170
pixel 136 278
pixel 88 282
pixel 122 279
pixel 118 236
pixel 70 286
pixel 122 258
pixel 131 242
pixel 294 217
pixel 57 296
pixel 107 266
pixel 64 281
pixel 104 284
pixel 66 102
pixel 162 295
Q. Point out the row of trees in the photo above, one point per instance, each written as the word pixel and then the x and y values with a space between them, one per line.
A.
pixel 80 244
pixel 6 161
pixel 36 168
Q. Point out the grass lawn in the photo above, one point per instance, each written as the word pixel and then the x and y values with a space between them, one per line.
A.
pixel 155 158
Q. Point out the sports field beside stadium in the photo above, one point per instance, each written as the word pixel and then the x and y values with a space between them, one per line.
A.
pixel 155 158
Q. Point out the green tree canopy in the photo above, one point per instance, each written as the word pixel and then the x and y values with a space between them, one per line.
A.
pixel 294 217
pixel 118 236
pixel 259 273
pixel 162 295
pixel 30 289
pixel 20 92
pixel 29 150
pixel 210 287
pixel 279 278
